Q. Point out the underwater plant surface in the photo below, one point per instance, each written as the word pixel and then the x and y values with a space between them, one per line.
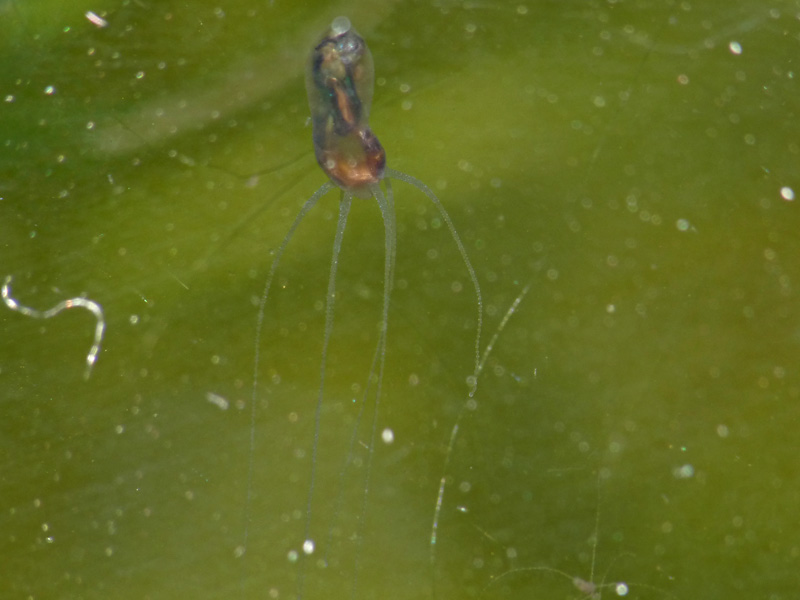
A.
pixel 635 162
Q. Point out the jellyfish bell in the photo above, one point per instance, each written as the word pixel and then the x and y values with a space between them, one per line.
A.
pixel 340 78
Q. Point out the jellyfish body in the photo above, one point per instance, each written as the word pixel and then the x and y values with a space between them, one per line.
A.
pixel 339 83
pixel 340 78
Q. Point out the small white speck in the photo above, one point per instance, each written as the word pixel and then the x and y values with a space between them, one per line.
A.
pixel 96 20
pixel 308 547
pixel 787 193
pixel 387 435
pixel 217 400
pixel 49 90
pixel 735 48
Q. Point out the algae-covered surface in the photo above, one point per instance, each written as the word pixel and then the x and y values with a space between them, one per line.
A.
pixel 635 162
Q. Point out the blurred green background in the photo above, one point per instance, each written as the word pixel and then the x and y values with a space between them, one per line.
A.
pixel 631 159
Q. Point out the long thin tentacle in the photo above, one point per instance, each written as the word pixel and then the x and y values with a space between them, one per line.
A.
pixel 446 218
pixel 386 205
pixel 344 210
pixel 310 203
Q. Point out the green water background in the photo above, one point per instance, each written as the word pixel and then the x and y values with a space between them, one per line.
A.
pixel 621 156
